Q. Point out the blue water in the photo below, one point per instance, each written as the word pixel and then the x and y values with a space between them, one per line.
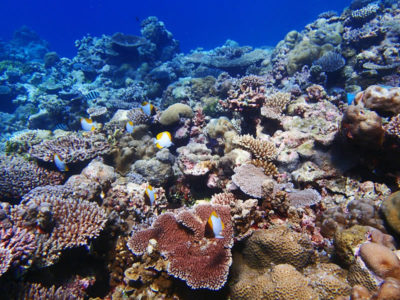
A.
pixel 206 23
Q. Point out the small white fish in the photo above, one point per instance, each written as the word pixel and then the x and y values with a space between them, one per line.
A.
pixel 147 108
pixel 87 124
pixel 129 126
pixel 216 224
pixel 163 140
pixel 150 194
pixel 60 164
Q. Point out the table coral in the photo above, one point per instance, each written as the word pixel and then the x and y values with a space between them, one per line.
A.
pixel 71 148
pixel 249 179
pixel 201 261
pixel 18 176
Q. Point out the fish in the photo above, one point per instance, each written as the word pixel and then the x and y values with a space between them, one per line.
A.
pixel 60 164
pixel 163 140
pixel 147 108
pixel 129 126
pixel 216 224
pixel 350 98
pixel 87 124
pixel 150 194
pixel 92 95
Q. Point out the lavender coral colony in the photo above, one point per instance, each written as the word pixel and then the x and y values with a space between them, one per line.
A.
pixel 234 173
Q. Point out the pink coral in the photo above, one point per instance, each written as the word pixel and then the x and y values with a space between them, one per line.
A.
pixel 202 261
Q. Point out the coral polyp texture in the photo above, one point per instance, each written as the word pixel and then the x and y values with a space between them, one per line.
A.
pixel 18 176
pixel 71 148
pixel 203 262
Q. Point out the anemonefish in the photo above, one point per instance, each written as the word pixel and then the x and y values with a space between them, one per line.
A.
pixel 216 224
pixel 150 194
pixel 163 140
pixel 147 108
pixel 129 126
pixel 88 124
pixel 60 164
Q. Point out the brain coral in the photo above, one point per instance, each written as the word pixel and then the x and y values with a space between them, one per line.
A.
pixel 174 112
pixel 18 176
pixel 202 261
pixel 278 245
pixel 71 148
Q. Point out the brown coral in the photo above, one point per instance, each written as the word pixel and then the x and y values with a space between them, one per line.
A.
pixel 18 176
pixel 261 149
pixel 380 99
pixel 393 127
pixel 203 262
pixel 363 127
pixel 278 245
pixel 274 105
pixel 248 93
pixel 71 148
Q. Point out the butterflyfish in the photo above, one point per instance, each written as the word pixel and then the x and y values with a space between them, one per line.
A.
pixel 150 194
pixel 88 124
pixel 163 140
pixel 129 126
pixel 216 224
pixel 147 108
pixel 60 164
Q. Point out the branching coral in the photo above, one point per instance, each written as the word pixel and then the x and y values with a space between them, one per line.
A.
pixel 248 93
pixel 261 149
pixel 274 105
pixel 203 262
pixel 71 148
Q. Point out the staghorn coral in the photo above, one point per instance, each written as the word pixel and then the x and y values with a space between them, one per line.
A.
pixel 18 176
pixel 249 179
pixel 201 261
pixel 278 245
pixel 261 149
pixel 71 148
pixel 70 223
pixel 274 105
pixel 247 93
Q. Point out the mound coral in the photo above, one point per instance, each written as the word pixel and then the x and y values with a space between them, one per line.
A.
pixel 363 127
pixel 203 262
pixel 390 208
pixel 380 99
pixel 18 176
pixel 174 112
pixel 71 148
pixel 278 245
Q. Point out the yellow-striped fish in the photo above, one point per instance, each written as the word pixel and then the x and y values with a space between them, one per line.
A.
pixel 129 126
pixel 60 164
pixel 87 124
pixel 163 140
pixel 216 224
pixel 150 194
pixel 147 108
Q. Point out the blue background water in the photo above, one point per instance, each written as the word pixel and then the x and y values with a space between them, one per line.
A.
pixel 205 23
